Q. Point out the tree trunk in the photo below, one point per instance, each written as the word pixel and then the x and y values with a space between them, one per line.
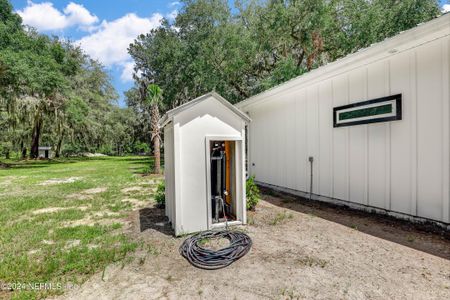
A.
pixel 156 137
pixel 23 150
pixel 7 154
pixel 59 145
pixel 34 151
pixel 157 152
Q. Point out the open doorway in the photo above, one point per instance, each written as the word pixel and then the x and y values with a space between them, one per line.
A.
pixel 223 181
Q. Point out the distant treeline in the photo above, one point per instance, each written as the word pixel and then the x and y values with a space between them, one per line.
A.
pixel 246 48
pixel 53 94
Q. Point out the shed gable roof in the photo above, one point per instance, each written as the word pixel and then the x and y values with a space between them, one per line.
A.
pixel 168 116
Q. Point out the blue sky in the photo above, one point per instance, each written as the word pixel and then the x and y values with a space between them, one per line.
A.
pixel 103 28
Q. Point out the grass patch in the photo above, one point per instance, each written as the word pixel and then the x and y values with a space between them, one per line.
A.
pixel 281 217
pixel 38 244
pixel 310 261
pixel 87 233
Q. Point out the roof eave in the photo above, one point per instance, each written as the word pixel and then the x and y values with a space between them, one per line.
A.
pixel 168 116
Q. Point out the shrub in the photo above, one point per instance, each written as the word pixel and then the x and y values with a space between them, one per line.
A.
pixel 5 149
pixel 147 170
pixel 160 196
pixel 141 148
pixel 252 193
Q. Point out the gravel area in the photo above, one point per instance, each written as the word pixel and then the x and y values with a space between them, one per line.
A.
pixel 301 250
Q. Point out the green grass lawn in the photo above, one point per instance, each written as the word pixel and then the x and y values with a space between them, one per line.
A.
pixel 63 220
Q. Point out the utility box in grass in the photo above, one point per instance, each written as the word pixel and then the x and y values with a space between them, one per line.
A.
pixel 204 158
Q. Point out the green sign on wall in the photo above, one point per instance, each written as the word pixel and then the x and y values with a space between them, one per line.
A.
pixel 376 110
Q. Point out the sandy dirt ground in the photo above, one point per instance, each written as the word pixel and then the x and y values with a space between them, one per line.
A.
pixel 301 250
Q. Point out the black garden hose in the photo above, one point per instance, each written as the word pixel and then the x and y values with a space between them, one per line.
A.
pixel 209 259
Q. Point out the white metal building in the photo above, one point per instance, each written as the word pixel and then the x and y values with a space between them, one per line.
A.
pixel 204 150
pixel 400 166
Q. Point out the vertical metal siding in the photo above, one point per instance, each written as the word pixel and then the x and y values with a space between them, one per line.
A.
pixel 402 142
pixel 358 142
pixel 325 139
pixel 402 166
pixel 429 130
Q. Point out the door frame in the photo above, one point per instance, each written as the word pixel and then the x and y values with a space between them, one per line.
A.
pixel 239 182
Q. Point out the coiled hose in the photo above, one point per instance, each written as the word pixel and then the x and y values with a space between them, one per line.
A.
pixel 209 259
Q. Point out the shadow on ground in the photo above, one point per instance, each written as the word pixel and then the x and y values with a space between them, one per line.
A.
pixel 139 159
pixel 154 218
pixel 26 166
pixel 43 163
pixel 139 162
pixel 428 238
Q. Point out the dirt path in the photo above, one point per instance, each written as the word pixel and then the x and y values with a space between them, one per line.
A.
pixel 300 251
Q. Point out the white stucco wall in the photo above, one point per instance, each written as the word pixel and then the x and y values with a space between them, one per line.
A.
pixel 187 136
pixel 401 166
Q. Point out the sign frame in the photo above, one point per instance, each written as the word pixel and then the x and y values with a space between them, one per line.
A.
pixel 395 100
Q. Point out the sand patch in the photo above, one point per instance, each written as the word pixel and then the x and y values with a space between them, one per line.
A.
pixel 106 214
pixel 87 194
pixel 49 210
pixel 81 222
pixel 5 182
pixel 88 154
pixel 78 196
pixel 95 191
pixel 8 180
pixel 136 203
pixel 91 221
pixel 133 189
pixel 215 244
pixel 150 182
pixel 32 252
pixel 72 243
pixel 60 181
pixel 306 258
pixel 48 242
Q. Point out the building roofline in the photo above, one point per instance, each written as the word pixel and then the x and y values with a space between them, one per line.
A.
pixel 168 116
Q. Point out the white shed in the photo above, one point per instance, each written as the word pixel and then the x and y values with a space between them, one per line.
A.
pixel 45 152
pixel 376 125
pixel 204 155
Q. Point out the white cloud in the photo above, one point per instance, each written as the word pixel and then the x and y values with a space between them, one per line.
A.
pixel 45 17
pixel 127 72
pixel 107 41
pixel 172 15
pixel 110 41
pixel 175 3
pixel 446 8
pixel 77 14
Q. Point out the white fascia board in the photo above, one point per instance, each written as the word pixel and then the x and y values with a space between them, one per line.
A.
pixel 168 116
